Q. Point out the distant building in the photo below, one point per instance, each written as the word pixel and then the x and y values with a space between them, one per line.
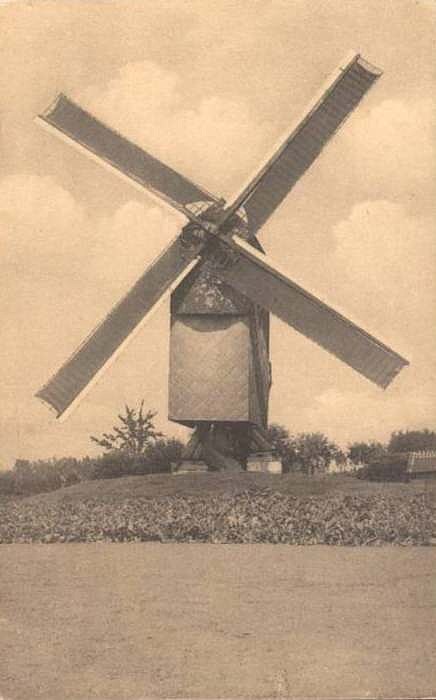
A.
pixel 335 467
pixel 401 465
pixel 417 463
pixel 422 462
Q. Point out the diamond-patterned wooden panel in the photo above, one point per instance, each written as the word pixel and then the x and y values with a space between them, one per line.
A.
pixel 209 376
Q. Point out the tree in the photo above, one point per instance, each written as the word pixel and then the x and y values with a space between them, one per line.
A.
pixel 412 440
pixel 309 452
pixel 365 452
pixel 315 452
pixel 283 444
pixel 134 433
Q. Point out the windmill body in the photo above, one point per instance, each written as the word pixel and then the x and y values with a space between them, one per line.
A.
pixel 222 284
pixel 220 370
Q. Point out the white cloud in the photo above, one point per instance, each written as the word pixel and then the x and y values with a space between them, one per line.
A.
pixel 207 141
pixel 61 273
pixel 47 236
pixel 40 221
pixel 131 238
pixel 391 150
pixel 349 416
pixel 387 257
pixel 381 274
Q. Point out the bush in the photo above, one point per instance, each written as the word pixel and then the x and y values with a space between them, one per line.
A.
pixel 7 483
pixel 388 468
pixel 156 459
pixel 163 453
pixel 283 444
pixel 29 477
pixel 40 476
pixel 365 452
pixel 113 465
pixel 36 477
pixel 412 441
pixel 306 452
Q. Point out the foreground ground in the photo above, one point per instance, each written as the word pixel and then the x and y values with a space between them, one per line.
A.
pixel 131 621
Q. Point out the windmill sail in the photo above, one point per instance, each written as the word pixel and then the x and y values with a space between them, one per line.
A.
pixel 94 354
pixel 338 98
pixel 84 130
pixel 254 275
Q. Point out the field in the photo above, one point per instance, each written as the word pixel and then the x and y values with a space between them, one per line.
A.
pixel 133 621
pixel 137 620
pixel 223 508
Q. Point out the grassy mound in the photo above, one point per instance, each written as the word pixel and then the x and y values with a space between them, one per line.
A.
pixel 225 508
pixel 221 483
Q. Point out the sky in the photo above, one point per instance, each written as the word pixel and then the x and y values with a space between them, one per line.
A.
pixel 210 87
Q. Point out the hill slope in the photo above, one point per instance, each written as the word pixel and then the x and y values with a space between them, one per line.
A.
pixel 216 484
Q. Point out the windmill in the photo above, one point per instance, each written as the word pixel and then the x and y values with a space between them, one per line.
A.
pixel 222 284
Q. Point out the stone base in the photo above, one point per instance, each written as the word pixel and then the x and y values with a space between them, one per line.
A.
pixel 264 462
pixel 190 467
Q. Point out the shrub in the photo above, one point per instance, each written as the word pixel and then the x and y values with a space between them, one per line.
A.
pixel 156 459
pixel 7 483
pixel 365 452
pixel 112 465
pixel 412 440
pixel 284 445
pixel 163 453
pixel 306 452
pixel 29 477
pixel 38 476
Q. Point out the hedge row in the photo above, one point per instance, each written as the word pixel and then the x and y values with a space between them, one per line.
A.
pixel 39 476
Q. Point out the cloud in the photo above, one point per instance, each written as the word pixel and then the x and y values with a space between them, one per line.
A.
pixel 380 274
pixel 398 135
pixel 390 149
pixel 47 235
pixel 382 271
pixel 386 256
pixel 147 104
pixel 126 242
pixel 350 416
pixel 37 217
pixel 62 271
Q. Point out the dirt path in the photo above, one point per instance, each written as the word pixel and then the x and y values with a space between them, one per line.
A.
pixel 140 620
